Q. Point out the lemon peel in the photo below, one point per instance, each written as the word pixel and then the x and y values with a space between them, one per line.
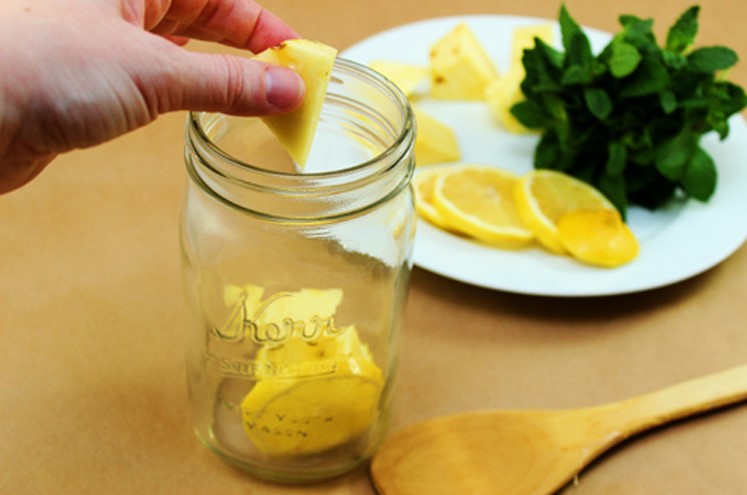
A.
pixel 598 237
pixel 543 196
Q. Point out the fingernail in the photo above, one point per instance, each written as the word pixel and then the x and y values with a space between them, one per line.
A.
pixel 284 88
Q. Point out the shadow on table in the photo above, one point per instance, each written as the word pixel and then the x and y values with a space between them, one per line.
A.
pixel 554 308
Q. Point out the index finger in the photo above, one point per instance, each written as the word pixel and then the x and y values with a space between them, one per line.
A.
pixel 241 23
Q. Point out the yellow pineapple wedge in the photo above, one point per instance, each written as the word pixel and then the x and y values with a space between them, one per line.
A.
pixel 313 61
pixel 435 142
pixel 504 91
pixel 408 77
pixel 523 39
pixel 502 94
pixel 460 67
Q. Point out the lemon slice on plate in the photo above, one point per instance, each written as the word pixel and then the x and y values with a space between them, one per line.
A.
pixel 543 196
pixel 597 237
pixel 423 185
pixel 478 200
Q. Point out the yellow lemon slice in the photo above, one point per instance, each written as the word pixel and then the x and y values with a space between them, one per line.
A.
pixel 304 416
pixel 313 61
pixel 478 200
pixel 423 185
pixel 543 196
pixel 598 237
pixel 313 394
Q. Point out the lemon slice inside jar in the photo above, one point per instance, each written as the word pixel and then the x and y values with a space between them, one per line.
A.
pixel 305 416
pixel 330 397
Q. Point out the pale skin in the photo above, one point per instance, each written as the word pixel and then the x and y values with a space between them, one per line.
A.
pixel 77 73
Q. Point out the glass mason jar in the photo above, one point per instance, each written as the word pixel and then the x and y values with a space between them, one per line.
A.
pixel 296 282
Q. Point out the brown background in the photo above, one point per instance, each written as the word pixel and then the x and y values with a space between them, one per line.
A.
pixel 92 386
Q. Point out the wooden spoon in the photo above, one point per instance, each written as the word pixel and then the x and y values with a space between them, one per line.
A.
pixel 533 452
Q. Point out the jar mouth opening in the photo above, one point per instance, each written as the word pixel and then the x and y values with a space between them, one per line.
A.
pixel 196 121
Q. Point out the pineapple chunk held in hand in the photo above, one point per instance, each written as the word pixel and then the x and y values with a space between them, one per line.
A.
pixel 460 67
pixel 313 61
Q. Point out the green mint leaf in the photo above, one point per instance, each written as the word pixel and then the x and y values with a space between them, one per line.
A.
pixel 650 77
pixel 726 99
pixel 576 74
pixel 700 176
pixel 711 59
pixel 674 60
pixel 719 124
pixel 682 34
pixel 552 56
pixel 547 154
pixel 598 102
pixel 614 188
pixel 579 51
pixel 639 33
pixel 668 101
pixel 555 107
pixel 617 157
pixel 530 114
pixel 624 60
pixel 541 74
pixel 575 42
pixel 569 29
pixel 734 99
pixel 673 155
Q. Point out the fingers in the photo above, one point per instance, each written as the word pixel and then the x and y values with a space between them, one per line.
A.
pixel 227 84
pixel 242 23
pixel 217 82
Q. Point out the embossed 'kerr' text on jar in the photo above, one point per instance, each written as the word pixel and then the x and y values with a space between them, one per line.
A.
pixel 296 282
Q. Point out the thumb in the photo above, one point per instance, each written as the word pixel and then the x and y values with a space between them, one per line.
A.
pixel 230 84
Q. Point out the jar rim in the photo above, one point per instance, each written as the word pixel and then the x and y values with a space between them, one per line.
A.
pixel 406 131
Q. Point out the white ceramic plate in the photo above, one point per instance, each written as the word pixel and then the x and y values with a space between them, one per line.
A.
pixel 677 242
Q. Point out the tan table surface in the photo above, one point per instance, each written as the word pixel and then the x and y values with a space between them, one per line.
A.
pixel 92 390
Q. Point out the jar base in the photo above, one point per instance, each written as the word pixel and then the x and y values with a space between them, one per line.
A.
pixel 289 475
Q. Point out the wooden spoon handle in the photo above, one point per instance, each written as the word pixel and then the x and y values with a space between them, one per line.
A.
pixel 676 402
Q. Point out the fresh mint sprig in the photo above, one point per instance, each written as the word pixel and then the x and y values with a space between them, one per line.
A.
pixel 629 120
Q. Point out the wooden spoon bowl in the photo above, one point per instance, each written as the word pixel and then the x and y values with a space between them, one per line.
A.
pixel 533 452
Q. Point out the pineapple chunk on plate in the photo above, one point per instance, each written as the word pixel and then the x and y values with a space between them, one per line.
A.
pixel 460 67
pixel 502 94
pixel 407 77
pixel 505 90
pixel 523 39
pixel 435 141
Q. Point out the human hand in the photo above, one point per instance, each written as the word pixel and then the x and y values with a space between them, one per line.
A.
pixel 75 74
